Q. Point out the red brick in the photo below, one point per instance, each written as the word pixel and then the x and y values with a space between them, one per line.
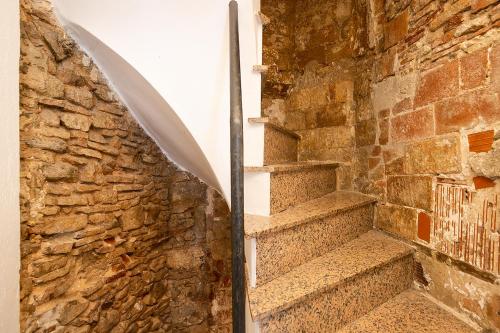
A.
pixel 483 182
pixel 402 106
pixel 481 142
pixel 473 69
pixel 438 83
pixel 480 4
pixel 413 125
pixel 424 227
pixel 396 29
pixel 464 111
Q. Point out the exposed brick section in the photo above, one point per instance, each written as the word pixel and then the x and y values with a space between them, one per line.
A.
pixel 424 227
pixel 115 238
pixel 481 142
pixel 483 182
pixel 438 83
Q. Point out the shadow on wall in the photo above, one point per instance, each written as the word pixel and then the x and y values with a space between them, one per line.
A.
pixel 148 107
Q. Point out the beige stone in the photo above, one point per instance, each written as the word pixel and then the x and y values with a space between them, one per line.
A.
pixel 62 224
pixel 398 220
pixel 413 191
pixel 76 121
pixel 434 156
pixel 133 218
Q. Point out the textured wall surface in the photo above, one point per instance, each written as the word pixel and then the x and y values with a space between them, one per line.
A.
pixel 114 237
pixel 406 93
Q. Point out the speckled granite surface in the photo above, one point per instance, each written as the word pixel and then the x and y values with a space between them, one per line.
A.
pixel 328 273
pixel 344 303
pixel 320 208
pixel 279 147
pixel 280 252
pixel 408 312
pixel 295 187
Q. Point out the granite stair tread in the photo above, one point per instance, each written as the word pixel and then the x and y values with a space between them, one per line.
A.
pixel 364 254
pixel 409 311
pixel 325 206
pixel 292 166
pixel 268 121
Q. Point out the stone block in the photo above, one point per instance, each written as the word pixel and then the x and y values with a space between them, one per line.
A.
pixel 413 191
pixel 437 84
pixel 477 5
pixel 383 128
pixel 61 224
pixel 398 220
pixel 473 69
pixel 396 29
pixel 187 258
pixel 434 156
pixel 133 218
pixel 465 111
pixel 343 91
pixel 495 67
pixel 418 124
pixel 76 121
pixel 60 171
pixel 50 143
pixel 79 95
pixel 487 164
pixel 366 132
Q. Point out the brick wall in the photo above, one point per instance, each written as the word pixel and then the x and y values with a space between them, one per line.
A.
pixel 115 238
pixel 434 164
pixel 405 93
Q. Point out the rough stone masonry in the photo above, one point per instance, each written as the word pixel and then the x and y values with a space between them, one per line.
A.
pixel 406 94
pixel 114 237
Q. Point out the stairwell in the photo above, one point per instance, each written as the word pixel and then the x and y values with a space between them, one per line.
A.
pixel 319 265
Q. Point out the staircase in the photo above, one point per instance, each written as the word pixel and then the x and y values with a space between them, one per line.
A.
pixel 316 264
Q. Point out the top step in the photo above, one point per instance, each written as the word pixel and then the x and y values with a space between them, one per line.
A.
pixel 292 166
pixel 269 122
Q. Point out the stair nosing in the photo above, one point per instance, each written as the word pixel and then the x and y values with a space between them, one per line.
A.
pixel 259 315
pixel 292 166
pixel 325 213
pixel 269 122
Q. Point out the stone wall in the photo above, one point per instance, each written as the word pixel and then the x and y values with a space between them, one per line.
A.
pixel 115 238
pixel 435 162
pixel 405 93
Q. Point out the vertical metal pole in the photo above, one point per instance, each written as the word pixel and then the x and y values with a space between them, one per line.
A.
pixel 237 209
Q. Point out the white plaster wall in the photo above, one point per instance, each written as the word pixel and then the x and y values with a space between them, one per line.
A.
pixel 9 175
pixel 169 62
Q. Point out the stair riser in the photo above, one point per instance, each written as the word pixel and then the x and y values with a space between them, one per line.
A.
pixel 345 303
pixel 280 252
pixel 279 147
pixel 291 188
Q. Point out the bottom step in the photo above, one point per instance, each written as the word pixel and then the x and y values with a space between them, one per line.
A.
pixel 410 311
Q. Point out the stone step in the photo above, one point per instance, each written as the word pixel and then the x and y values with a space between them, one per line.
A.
pixel 280 144
pixel 297 182
pixel 410 311
pixel 299 234
pixel 331 291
